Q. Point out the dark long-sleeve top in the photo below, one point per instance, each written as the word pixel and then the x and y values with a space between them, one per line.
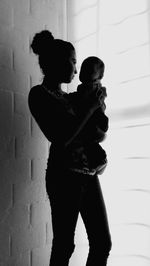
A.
pixel 57 122
pixel 51 115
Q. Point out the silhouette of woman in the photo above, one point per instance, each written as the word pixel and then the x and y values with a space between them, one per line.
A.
pixel 71 187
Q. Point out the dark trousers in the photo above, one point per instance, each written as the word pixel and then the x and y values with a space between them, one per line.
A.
pixel 72 193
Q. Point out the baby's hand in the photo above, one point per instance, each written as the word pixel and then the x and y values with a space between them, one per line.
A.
pixel 102 95
pixel 94 98
pixel 104 91
pixel 92 87
pixel 95 95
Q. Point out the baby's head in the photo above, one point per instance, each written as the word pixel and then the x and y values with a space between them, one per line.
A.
pixel 92 69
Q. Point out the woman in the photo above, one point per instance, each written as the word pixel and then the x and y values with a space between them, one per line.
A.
pixel 71 187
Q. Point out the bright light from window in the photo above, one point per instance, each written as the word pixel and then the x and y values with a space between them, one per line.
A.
pixel 117 10
pixel 118 32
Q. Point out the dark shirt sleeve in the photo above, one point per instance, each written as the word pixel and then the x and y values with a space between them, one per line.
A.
pixel 51 115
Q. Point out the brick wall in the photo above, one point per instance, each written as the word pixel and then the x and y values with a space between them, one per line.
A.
pixel 25 226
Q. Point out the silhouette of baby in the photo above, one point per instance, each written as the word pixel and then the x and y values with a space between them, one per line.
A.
pixel 91 73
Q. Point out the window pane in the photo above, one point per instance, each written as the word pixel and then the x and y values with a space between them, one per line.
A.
pixel 117 10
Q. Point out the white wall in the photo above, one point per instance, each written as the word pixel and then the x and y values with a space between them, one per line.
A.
pixel 119 32
pixel 25 226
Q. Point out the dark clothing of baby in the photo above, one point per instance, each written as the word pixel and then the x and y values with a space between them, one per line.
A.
pixel 94 131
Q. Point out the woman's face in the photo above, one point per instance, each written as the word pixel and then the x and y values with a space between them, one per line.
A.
pixel 67 69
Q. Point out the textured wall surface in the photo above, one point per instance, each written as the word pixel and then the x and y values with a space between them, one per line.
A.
pixel 25 226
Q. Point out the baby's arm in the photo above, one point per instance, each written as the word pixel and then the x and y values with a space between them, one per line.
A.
pixel 99 120
pixel 96 127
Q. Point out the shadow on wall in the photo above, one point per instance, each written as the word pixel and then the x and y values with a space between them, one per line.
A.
pixel 25 226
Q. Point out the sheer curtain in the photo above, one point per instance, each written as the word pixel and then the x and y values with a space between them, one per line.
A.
pixel 118 31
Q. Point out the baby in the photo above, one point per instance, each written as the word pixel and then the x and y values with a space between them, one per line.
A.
pixel 91 73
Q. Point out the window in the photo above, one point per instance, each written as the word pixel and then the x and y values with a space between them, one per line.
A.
pixel 118 32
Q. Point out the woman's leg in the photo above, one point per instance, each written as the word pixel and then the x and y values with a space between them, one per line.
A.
pixel 94 216
pixel 64 192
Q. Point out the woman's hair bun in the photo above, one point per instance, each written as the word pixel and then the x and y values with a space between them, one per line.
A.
pixel 42 41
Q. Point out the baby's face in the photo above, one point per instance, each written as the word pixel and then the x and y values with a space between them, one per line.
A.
pixel 95 74
pixel 95 77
